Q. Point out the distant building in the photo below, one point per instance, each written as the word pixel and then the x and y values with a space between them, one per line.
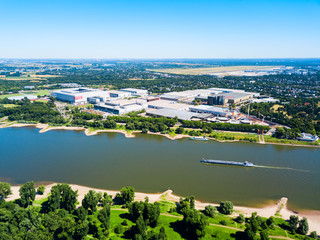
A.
pixel 119 94
pixel 18 98
pixel 230 97
pixel 122 106
pixel 135 92
pixel 70 85
pixel 29 87
pixel 171 113
pixel 217 111
pixel 159 104
pixel 307 137
pixel 78 95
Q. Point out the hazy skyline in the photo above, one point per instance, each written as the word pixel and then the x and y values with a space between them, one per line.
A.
pixel 160 29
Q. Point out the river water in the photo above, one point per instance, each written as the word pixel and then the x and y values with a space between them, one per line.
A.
pixel 154 164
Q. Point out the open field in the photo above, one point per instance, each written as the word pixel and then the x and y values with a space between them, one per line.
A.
pixel 10 105
pixel 36 93
pixel 27 77
pixel 231 70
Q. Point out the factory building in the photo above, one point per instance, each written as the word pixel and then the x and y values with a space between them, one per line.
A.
pixel 122 106
pixel 78 95
pixel 231 97
pixel 159 104
pixel 135 91
pixel 120 94
pixel 217 111
pixel 171 113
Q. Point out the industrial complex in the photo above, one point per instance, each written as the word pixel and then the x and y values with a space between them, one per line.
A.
pixel 200 104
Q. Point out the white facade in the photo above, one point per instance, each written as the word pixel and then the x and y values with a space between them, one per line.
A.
pixel 211 110
pixel 135 91
pixel 119 94
pixel 78 95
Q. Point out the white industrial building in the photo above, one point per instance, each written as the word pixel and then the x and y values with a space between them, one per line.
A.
pixel 135 91
pixel 159 104
pixel 119 94
pixel 122 106
pixel 217 111
pixel 78 95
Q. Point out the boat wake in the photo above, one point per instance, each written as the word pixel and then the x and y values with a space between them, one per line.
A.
pixel 282 168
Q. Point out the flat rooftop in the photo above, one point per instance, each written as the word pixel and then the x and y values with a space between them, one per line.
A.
pixel 172 113
pixel 209 108
pixel 168 104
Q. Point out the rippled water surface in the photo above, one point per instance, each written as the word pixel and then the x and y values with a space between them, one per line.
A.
pixel 154 164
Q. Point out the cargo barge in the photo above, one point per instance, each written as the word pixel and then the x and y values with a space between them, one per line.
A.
pixel 232 163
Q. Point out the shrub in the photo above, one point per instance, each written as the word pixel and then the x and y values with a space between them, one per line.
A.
pixel 210 211
pixel 41 189
pixel 240 219
pixel 223 222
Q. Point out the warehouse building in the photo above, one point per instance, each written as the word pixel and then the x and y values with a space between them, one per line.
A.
pixel 171 113
pixel 120 94
pixel 216 111
pixel 159 104
pixel 135 91
pixel 122 106
pixel 78 95
pixel 231 97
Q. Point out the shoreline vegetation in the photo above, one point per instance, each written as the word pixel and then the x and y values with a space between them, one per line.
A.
pixel 278 209
pixel 131 134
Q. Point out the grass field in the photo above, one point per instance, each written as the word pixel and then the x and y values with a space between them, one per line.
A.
pixel 28 77
pixel 36 93
pixel 211 70
pixel 9 105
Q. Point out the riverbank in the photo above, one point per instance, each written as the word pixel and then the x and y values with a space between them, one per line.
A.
pixel 278 209
pixel 131 134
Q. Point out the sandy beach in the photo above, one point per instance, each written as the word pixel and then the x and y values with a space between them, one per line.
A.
pixel 278 208
pixel 45 128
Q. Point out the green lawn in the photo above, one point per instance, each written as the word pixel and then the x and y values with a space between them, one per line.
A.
pixel 9 105
pixel 10 95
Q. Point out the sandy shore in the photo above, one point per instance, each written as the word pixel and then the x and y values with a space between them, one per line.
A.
pixel 45 128
pixel 278 208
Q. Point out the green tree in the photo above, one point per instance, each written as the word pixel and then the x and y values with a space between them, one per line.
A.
pixel 179 130
pixel 314 235
pixel 41 189
pixel 127 195
pixel 27 194
pixel 106 200
pixel 80 213
pixel 81 230
pixel 303 227
pixel 293 222
pixel 5 190
pixel 141 228
pixel 62 197
pixel 240 218
pixel 210 211
pixel 226 207
pixel 194 223
pixel 264 235
pixel 104 217
pixel 162 234
pixel 249 233
pixel 90 201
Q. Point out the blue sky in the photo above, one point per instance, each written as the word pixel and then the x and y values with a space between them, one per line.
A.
pixel 159 29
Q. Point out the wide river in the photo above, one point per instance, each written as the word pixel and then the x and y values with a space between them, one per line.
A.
pixel 154 164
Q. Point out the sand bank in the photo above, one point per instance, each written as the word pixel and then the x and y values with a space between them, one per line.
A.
pixel 45 128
